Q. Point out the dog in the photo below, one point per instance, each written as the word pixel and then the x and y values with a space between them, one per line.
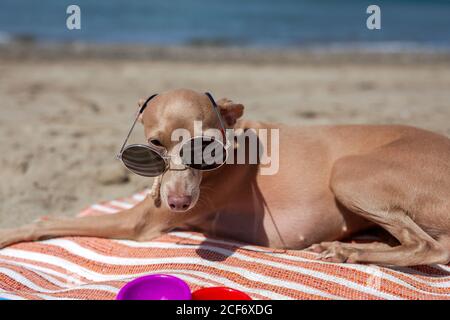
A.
pixel 332 182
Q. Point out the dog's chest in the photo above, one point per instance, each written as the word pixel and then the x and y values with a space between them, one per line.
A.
pixel 257 228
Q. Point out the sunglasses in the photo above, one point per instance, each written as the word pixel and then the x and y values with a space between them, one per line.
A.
pixel 201 153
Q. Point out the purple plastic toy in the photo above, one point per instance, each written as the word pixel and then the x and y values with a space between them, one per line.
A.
pixel 155 287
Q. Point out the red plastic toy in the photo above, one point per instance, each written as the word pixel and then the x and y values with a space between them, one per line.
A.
pixel 219 293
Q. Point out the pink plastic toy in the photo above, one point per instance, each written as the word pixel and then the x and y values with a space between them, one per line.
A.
pixel 155 287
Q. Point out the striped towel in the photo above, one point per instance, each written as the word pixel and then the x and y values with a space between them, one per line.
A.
pixel 91 268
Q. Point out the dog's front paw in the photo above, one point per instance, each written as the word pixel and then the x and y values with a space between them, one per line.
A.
pixel 323 246
pixel 335 252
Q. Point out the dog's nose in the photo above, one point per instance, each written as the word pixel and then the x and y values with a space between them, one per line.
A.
pixel 179 203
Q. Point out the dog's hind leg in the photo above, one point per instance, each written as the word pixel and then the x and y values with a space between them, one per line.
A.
pixel 416 246
pixel 376 190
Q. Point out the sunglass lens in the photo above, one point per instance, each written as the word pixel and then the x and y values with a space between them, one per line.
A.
pixel 143 161
pixel 203 153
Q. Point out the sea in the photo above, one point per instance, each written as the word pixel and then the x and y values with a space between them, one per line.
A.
pixel 340 24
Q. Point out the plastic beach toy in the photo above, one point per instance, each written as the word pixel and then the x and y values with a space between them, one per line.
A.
pixel 219 293
pixel 155 287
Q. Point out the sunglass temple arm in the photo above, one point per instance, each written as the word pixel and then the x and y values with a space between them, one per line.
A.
pixel 134 124
pixel 216 109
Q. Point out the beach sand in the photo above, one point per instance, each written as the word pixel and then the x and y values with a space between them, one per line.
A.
pixel 64 115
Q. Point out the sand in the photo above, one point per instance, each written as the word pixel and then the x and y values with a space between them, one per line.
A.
pixel 64 115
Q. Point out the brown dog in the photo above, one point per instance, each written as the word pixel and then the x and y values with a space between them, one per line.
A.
pixel 332 182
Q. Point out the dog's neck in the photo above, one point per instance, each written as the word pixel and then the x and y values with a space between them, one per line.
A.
pixel 216 190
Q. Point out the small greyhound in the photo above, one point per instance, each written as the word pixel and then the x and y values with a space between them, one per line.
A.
pixel 332 182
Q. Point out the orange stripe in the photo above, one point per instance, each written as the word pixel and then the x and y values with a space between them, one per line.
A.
pixel 331 287
pixel 33 277
pixel 111 270
pixel 85 294
pixel 6 264
pixel 14 287
pixel 341 271
pixel 48 266
pixel 104 268
pixel 354 276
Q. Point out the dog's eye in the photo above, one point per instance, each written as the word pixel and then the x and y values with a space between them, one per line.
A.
pixel 156 142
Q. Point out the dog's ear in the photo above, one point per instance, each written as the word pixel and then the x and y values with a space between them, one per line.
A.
pixel 140 103
pixel 230 111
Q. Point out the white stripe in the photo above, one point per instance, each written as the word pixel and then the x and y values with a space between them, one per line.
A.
pixel 21 279
pixel 443 267
pixel 10 296
pixel 40 295
pixel 139 197
pixel 186 235
pixel 125 261
pixel 312 273
pixel 308 272
pixel 47 297
pixel 325 276
pixel 185 276
pixel 87 253
pixel 267 294
pixel 50 279
pixel 62 263
pixel 115 290
pixel 121 204
pixel 34 268
pixel 357 267
pixel 360 268
pixel 222 280
pixel 29 284
pixel 103 208
pixel 367 269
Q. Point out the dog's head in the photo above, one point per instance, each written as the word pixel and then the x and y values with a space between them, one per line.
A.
pixel 179 109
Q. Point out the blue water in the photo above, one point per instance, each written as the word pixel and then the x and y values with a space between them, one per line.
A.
pixel 257 23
